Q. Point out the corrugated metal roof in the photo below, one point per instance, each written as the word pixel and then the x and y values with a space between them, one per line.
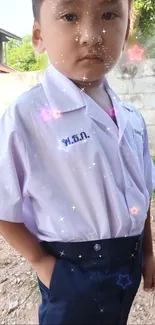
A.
pixel 10 35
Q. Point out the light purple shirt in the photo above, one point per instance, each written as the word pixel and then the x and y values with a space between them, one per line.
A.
pixel 67 171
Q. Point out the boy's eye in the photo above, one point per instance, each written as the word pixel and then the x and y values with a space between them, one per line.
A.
pixel 109 15
pixel 69 17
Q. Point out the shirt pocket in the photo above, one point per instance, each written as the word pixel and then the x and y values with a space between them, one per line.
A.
pixel 138 143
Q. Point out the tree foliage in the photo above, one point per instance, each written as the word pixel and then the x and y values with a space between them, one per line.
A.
pixel 144 26
pixel 145 14
pixel 21 55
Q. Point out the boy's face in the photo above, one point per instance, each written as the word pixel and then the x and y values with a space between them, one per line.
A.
pixel 70 30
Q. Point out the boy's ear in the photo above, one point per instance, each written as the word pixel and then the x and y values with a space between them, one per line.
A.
pixel 127 33
pixel 37 39
pixel 128 29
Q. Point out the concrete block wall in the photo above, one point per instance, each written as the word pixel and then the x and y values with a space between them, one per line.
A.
pixel 134 83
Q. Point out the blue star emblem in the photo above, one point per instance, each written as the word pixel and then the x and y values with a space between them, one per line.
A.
pixel 124 281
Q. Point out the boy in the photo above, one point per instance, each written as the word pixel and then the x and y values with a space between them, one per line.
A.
pixel 79 159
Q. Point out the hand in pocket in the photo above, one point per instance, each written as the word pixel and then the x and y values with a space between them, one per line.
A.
pixel 44 269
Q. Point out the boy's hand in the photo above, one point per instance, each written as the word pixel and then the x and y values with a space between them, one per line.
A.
pixel 44 268
pixel 149 273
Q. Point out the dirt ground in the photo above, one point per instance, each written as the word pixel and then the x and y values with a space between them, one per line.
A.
pixel 19 293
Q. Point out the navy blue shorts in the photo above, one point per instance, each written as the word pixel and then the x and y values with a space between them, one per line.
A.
pixel 93 283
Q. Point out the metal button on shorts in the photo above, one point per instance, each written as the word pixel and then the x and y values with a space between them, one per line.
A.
pixel 97 247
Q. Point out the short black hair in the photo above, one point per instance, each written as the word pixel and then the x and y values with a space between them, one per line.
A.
pixel 36 4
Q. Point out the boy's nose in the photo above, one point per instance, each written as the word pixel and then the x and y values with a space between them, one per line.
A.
pixel 90 37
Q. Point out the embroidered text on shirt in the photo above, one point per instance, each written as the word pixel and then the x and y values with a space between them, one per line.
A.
pixel 138 132
pixel 75 138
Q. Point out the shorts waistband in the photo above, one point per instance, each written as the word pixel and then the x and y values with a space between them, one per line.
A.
pixel 105 248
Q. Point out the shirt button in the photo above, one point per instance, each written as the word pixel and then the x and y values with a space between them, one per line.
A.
pixel 129 183
pixel 97 247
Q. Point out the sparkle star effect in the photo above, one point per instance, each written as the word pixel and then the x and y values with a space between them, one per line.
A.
pixel 73 207
pixel 62 253
pixel 134 211
pixel 132 255
pixel 124 281
pixel 61 147
pixel 48 114
pixel 84 78
pixel 82 89
pixel 135 54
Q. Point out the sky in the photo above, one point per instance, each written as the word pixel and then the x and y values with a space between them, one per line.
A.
pixel 16 16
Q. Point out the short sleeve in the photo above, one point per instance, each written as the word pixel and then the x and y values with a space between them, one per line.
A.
pixel 149 168
pixel 12 171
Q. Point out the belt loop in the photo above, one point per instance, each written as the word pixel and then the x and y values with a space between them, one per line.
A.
pixel 139 241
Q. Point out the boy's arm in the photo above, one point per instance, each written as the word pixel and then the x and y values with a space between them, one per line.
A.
pixel 14 168
pixel 149 176
pixel 148 247
pixel 21 239
pixel 149 260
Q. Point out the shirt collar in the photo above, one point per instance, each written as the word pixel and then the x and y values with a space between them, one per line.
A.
pixel 122 110
pixel 62 94
pixel 116 98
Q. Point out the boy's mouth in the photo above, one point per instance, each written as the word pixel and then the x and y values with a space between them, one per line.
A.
pixel 92 57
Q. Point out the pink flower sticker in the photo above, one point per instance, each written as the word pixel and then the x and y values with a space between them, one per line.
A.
pixel 134 211
pixel 135 53
pixel 47 114
pixel 112 112
pixel 56 114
